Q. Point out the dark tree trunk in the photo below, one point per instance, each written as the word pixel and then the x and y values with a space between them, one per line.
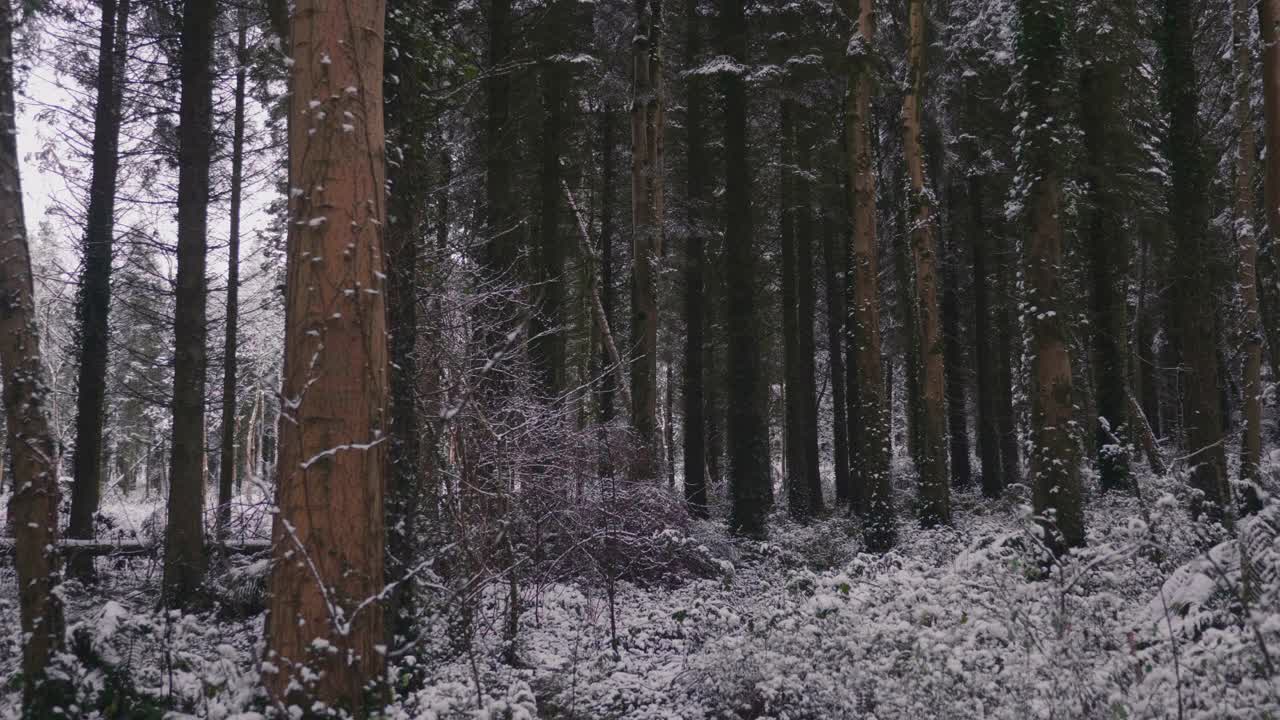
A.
pixel 985 351
pixel 408 128
pixel 227 464
pixel 1004 320
pixel 607 191
pixel 547 337
pixel 94 300
pixel 750 485
pixel 806 297
pixel 1269 302
pixel 695 461
pixel 184 560
pixel 957 371
pixel 1195 271
pixel 833 273
pixel 796 465
pixel 1101 86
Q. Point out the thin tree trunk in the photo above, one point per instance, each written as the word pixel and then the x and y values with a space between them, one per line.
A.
pixel 1269 21
pixel 227 467
pixel 647 123
pixel 993 478
pixel 1247 242
pixel 750 482
pixel 873 415
pixel 806 298
pixel 607 192
pixel 1195 272
pixel 1055 464
pixel 833 263
pixel 33 506
pixel 332 447
pixel 935 496
pixel 695 460
pixel 1004 320
pixel 795 467
pixel 94 301
pixel 956 372
pixel 184 558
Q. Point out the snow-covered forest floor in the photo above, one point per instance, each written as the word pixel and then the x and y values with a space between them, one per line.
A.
pixel 957 622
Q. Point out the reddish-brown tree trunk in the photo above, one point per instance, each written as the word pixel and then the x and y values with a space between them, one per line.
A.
pixel 1055 461
pixel 647 122
pixel 33 507
pixel 872 421
pixel 935 494
pixel 325 623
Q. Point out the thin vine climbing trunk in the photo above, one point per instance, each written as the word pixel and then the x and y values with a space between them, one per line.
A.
pixel 864 314
pixel 227 466
pixel 328 537
pixel 94 301
pixel 1055 471
pixel 647 123
pixel 184 557
pixel 935 494
pixel 1247 244
pixel 33 506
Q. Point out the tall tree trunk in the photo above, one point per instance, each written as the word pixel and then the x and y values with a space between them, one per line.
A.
pixel 833 272
pixel 94 300
pixel 1101 88
pixel 1144 363
pixel 547 336
pixel 1247 243
pixel 935 494
pixel 1269 21
pixel 695 460
pixel 956 371
pixel 796 465
pixel 1004 321
pixel 607 192
pixel 408 123
pixel 33 506
pixel 806 298
pixel 332 448
pixel 864 315
pixel 1055 464
pixel 184 557
pixel 993 478
pixel 227 466
pixel 647 123
pixel 1194 272
pixel 750 484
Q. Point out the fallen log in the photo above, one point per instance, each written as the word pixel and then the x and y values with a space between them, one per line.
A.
pixel 98 548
